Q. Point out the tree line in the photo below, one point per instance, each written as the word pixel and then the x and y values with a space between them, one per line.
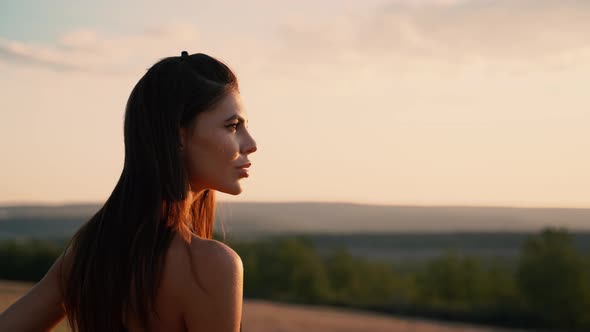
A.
pixel 548 288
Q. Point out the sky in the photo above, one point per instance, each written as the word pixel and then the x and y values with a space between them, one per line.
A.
pixel 464 102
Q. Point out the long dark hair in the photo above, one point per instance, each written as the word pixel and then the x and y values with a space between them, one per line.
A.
pixel 118 255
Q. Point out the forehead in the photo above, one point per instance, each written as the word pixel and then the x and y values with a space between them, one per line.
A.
pixel 229 108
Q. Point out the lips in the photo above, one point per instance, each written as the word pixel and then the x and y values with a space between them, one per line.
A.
pixel 243 172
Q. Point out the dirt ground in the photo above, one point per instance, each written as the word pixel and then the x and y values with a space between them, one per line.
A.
pixel 266 316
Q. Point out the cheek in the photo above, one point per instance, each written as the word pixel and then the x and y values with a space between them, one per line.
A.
pixel 229 148
pixel 210 156
pixel 222 146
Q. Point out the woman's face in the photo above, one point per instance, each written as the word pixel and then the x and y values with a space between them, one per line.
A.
pixel 218 145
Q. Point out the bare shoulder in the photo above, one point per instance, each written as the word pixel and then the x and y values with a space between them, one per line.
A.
pixel 203 260
pixel 208 278
pixel 216 253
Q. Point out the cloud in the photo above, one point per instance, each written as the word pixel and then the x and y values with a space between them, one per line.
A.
pixel 21 53
pixel 454 32
pixel 399 35
pixel 522 29
pixel 88 50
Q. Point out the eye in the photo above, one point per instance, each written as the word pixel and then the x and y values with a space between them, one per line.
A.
pixel 233 125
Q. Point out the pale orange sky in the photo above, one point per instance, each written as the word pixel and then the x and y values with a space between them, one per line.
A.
pixel 385 102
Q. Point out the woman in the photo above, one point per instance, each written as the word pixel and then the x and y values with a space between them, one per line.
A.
pixel 146 261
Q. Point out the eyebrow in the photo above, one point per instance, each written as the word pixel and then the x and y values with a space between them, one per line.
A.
pixel 235 116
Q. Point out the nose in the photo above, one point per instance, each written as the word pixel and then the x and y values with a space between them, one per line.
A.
pixel 249 145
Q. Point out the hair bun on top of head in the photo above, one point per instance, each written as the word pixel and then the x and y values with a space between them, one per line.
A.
pixel 184 54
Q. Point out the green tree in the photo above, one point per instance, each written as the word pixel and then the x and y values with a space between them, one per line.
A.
pixel 292 271
pixel 452 283
pixel 554 279
pixel 360 282
pixel 342 274
pixel 27 260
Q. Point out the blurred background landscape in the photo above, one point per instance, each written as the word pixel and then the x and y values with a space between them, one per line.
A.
pixel 422 165
pixel 521 268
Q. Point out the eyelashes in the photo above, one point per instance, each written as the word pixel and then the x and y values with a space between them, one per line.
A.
pixel 236 125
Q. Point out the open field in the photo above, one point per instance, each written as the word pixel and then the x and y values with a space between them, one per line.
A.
pixel 265 316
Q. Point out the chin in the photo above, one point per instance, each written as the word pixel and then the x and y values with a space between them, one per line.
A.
pixel 234 190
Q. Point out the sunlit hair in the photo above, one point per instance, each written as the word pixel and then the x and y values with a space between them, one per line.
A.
pixel 118 255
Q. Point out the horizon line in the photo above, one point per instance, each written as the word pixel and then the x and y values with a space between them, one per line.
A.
pixel 424 205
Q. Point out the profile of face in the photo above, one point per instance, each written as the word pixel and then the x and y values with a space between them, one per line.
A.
pixel 217 146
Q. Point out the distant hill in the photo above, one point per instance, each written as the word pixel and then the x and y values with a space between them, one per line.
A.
pixel 255 219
